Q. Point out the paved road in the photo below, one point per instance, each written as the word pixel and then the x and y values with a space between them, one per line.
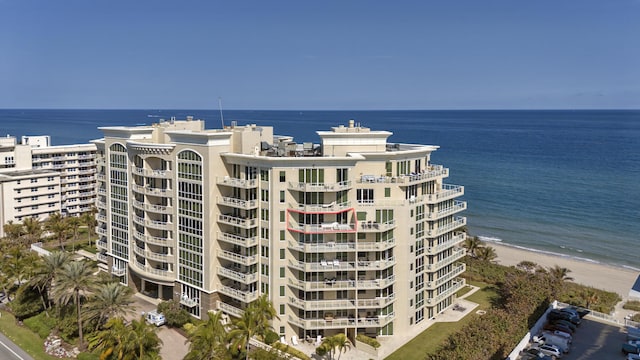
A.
pixel 11 351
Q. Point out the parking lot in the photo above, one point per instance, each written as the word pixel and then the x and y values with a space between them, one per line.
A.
pixel 595 340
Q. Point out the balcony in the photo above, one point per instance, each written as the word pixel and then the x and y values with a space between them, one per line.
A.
pixel 238 239
pixel 457 270
pixel 457 285
pixel 376 264
pixel 101 257
pixel 101 177
pixel 371 226
pixel 237 221
pixel 326 228
pixel 457 207
pixel 375 302
pixel 448 192
pixel 152 173
pixel 238 203
pixel 239 183
pixel 158 224
pixel 230 309
pixel 376 283
pixel 458 222
pixel 319 187
pixel 187 301
pixel 238 276
pixel 432 250
pixel 455 255
pixel 101 231
pixel 237 258
pixel 147 190
pixel 433 172
pixel 341 323
pixel 118 271
pixel 244 296
pixel 320 208
pixel 327 284
pixel 309 305
pixel 102 245
pixel 323 265
pixel 160 209
pixel 322 247
pixel 376 246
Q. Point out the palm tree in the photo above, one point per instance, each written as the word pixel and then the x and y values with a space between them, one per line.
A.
pixel 73 284
pixel 243 330
pixel 486 253
pixel 73 222
pixel 208 341
pixel 56 224
pixel 264 312
pixel 32 230
pixel 109 300
pixel 591 298
pixel 13 232
pixel 472 243
pixel 127 342
pixel 526 265
pixel 45 273
pixel 560 274
pixel 337 342
pixel 142 341
pixel 89 219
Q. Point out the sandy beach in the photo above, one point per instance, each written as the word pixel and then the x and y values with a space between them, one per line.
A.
pixel 616 279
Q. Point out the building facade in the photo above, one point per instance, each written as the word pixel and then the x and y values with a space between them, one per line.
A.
pixel 38 179
pixel 354 234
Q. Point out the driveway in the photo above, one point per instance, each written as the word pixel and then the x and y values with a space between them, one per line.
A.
pixel 597 340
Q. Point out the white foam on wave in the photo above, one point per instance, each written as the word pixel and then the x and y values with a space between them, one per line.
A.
pixel 489 239
pixel 631 268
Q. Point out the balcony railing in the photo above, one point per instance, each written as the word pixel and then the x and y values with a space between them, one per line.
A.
pixel 323 265
pixel 238 239
pixel 101 231
pixel 447 244
pixel 101 257
pixel 448 192
pixel 155 240
pixel 321 304
pixel 238 276
pixel 341 322
pixel 302 186
pixel 237 221
pixel 152 173
pixel 117 271
pixel 455 255
pixel 433 172
pixel 230 309
pixel 238 203
pixel 237 258
pixel 376 302
pixel 457 285
pixel 457 270
pixel 322 247
pixel 101 245
pixel 376 264
pixel 242 295
pixel 376 246
pixel 459 222
pixel 457 207
pixel 371 226
pixel 235 182
pixel 331 207
pixel 334 227
pixel 187 301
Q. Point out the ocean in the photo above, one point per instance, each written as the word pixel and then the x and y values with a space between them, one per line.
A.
pixel 563 182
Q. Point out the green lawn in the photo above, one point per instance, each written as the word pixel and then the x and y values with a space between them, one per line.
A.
pixel 428 341
pixel 23 337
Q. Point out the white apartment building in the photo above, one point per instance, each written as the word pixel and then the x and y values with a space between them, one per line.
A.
pixel 354 234
pixel 69 170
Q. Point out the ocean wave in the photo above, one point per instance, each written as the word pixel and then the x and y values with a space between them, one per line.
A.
pixel 489 239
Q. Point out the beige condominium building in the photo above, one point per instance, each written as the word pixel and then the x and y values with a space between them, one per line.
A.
pixel 353 234
pixel 37 179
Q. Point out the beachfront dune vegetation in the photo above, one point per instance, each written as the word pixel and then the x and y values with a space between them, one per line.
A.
pixel 525 292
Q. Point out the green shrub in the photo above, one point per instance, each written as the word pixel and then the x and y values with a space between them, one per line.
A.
pixel 368 340
pixel 632 305
pixel 176 316
pixel 636 317
pixel 189 328
pixel 291 350
pixel 41 324
pixel 27 302
pixel 270 337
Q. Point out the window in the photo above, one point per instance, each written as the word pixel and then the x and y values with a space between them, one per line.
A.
pixel 281 290
pixel 364 196
pixel 388 168
pixel 387 192
pixel 282 272
pixel 281 309
pixel 34 189
pixel 282 177
pixel 282 216
pixel 361 215
pixel 281 254
pixel 34 181
pixel 281 235
pixel 264 175
pixel 281 196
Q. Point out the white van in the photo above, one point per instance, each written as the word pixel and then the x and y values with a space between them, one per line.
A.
pixel 155 318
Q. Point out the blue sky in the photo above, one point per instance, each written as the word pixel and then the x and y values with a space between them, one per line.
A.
pixel 458 54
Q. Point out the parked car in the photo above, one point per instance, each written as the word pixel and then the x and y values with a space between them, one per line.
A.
pixel 633 357
pixel 559 333
pixel 564 315
pixel 558 327
pixel 630 348
pixel 537 354
pixel 550 350
pixel 562 343
pixel 566 323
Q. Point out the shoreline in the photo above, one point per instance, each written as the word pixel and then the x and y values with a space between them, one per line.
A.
pixel 588 272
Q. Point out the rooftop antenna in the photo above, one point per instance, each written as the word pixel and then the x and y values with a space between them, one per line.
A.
pixel 220 106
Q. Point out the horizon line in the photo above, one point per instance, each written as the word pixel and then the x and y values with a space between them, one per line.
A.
pixel 318 110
